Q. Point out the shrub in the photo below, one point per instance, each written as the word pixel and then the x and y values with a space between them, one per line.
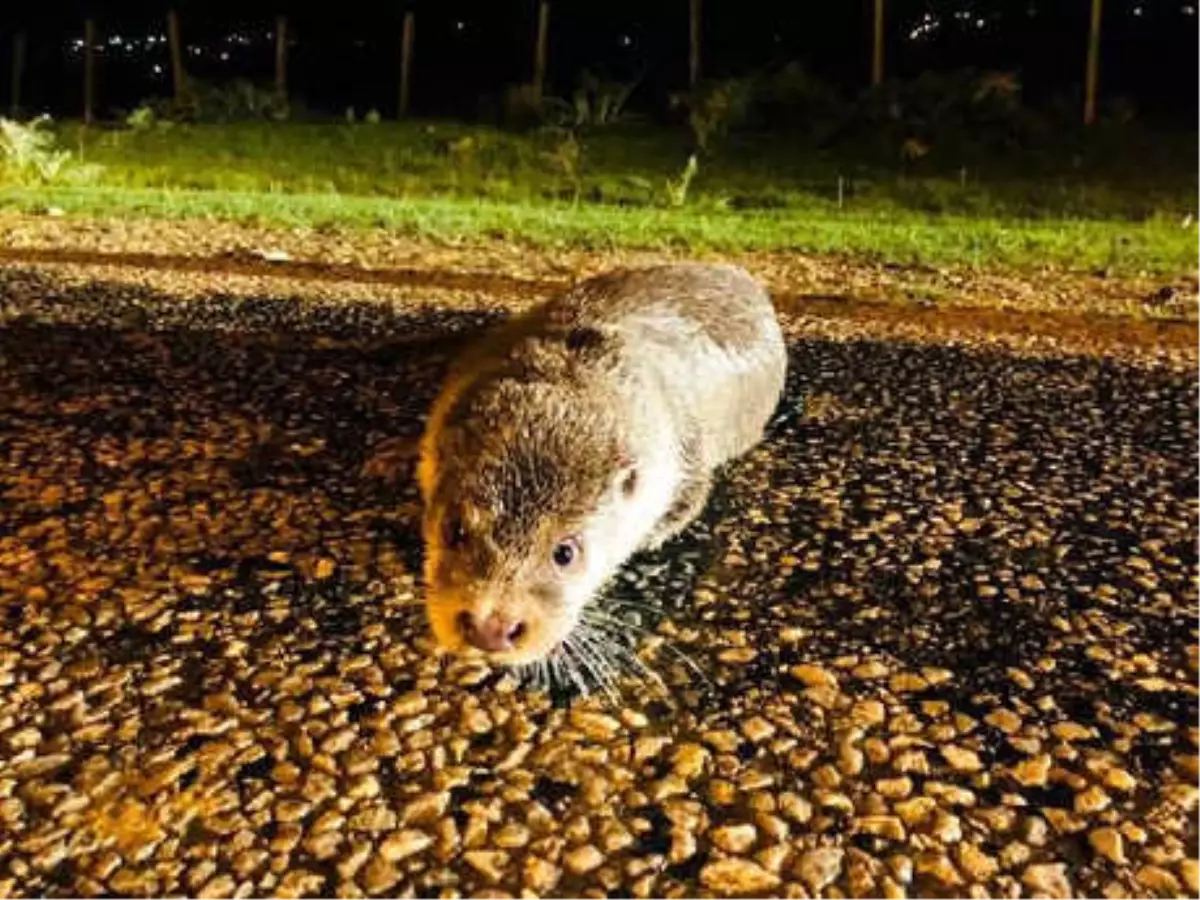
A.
pixel 29 154
pixel 203 102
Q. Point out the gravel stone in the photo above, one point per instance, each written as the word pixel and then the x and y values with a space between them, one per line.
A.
pixel 820 868
pixel 735 839
pixel 1158 879
pixel 1047 879
pixel 583 859
pixel 404 843
pixel 975 864
pixel 540 876
pixel 962 759
pixel 490 864
pixel 738 877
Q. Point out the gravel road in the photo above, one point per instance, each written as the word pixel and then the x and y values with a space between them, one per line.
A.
pixel 937 637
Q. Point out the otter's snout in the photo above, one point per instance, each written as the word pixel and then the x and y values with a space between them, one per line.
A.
pixel 494 634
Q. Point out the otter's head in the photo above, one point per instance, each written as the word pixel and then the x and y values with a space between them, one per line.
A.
pixel 528 489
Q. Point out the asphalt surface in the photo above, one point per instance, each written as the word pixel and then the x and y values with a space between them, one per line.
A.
pixel 936 637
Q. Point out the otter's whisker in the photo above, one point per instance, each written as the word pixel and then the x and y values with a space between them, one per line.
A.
pixel 571 668
pixel 606 640
pixel 604 670
pixel 644 668
pixel 589 661
pixel 595 618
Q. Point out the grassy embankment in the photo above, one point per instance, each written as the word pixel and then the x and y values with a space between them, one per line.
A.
pixel 1126 212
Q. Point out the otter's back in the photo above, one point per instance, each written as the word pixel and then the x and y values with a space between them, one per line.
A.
pixel 708 332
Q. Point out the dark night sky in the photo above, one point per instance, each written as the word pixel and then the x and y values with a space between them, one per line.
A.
pixel 347 53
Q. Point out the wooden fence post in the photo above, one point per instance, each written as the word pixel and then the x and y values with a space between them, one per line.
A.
pixel 693 43
pixel 89 71
pixel 877 46
pixel 281 54
pixel 1093 65
pixel 177 73
pixel 406 48
pixel 539 52
pixel 18 71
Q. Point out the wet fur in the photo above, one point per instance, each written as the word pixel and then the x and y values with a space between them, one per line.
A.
pixel 604 410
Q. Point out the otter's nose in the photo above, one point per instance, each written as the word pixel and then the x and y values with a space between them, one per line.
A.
pixel 494 634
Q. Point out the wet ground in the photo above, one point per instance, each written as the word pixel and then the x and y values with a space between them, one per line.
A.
pixel 936 637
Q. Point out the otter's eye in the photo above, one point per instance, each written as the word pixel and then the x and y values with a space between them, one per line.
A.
pixel 565 553
pixel 453 533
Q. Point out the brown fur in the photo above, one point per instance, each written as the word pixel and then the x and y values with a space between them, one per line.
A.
pixel 570 419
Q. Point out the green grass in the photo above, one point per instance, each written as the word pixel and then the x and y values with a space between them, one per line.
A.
pixel 448 180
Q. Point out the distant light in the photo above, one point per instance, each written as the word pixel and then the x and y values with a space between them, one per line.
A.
pixel 928 25
pixel 157 69
pixel 1137 10
pixel 979 23
pixel 1189 10
pixel 460 25
pixel 626 40
pixel 115 40
pixel 224 56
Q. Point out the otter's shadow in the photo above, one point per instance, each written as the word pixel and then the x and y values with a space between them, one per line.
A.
pixel 238 433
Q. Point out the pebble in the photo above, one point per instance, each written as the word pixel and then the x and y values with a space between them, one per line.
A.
pixel 583 859
pixel 401 844
pixel 868 713
pixel 1158 879
pixel 1048 880
pixel 1120 780
pixel 1032 772
pixel 1189 870
pixel 915 811
pixel 814 676
pixel 1109 844
pixel 219 886
pixel 889 827
pixel 975 864
pixel 683 845
pixel 757 729
pixel 894 788
pixel 490 864
pixel 597 726
pixel 1005 720
pixel 690 760
pixel 939 866
pixel 379 876
pixel 820 868
pixel 735 839
pixel 907 683
pixel 1093 800
pixel 738 877
pixel 961 759
pixel 795 807
pixel 540 876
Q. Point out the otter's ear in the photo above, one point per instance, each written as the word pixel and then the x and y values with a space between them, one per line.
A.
pixel 627 473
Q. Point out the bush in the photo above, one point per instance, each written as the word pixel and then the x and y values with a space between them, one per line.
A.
pixel 29 154
pixel 206 102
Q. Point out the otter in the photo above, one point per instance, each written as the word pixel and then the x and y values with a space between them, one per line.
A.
pixel 579 433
